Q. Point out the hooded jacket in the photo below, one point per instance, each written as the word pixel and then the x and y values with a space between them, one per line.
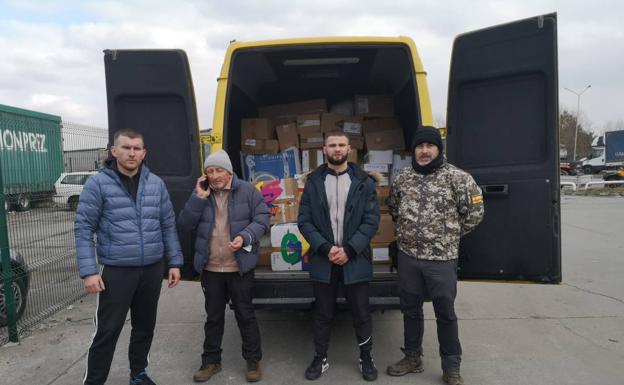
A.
pixel 361 220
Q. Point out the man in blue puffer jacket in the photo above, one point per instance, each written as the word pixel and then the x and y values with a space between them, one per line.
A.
pixel 229 216
pixel 129 211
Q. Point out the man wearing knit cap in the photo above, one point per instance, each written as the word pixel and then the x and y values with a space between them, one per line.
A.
pixel 433 204
pixel 230 217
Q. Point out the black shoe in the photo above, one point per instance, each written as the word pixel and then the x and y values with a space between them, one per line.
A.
pixel 141 379
pixel 367 366
pixel 318 366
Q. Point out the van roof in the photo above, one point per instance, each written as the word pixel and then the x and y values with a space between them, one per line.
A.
pixel 237 45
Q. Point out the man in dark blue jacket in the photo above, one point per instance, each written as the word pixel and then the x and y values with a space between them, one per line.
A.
pixel 230 217
pixel 129 211
pixel 338 216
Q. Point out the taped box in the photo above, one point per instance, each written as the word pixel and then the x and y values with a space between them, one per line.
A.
pixel 278 190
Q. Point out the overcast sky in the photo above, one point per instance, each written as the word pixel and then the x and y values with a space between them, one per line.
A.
pixel 52 57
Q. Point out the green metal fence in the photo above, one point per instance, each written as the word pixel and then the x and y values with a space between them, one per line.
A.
pixel 37 212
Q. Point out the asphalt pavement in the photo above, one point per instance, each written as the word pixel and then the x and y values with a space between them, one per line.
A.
pixel 572 333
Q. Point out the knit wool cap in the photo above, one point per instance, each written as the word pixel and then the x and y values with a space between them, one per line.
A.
pixel 427 134
pixel 219 159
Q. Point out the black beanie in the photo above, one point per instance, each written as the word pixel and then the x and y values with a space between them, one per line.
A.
pixel 427 134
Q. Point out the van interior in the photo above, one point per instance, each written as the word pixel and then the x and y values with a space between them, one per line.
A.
pixel 261 77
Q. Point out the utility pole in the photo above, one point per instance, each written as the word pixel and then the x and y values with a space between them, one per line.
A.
pixel 578 107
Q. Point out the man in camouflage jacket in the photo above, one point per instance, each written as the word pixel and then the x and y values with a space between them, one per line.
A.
pixel 433 204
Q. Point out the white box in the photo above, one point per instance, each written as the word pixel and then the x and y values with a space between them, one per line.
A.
pixel 280 231
pixel 278 263
pixel 383 168
pixel 381 254
pixel 378 156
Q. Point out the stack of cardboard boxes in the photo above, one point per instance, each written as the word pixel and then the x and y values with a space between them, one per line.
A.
pixel 300 129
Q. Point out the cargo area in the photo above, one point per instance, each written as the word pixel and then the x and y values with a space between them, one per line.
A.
pixel 286 97
pixel 261 77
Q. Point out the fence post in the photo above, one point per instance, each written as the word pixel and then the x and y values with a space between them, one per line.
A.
pixel 7 270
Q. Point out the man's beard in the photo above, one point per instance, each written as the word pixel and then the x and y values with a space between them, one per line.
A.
pixel 339 161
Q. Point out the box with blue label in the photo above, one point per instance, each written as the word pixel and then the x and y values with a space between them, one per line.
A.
pixel 258 168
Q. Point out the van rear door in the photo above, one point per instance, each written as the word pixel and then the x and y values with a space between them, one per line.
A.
pixel 502 123
pixel 151 91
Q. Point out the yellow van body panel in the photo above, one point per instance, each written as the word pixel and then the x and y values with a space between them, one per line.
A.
pixel 421 75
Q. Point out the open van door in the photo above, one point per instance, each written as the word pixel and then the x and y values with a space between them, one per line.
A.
pixel 503 129
pixel 151 91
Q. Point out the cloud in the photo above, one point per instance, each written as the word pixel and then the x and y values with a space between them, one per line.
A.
pixel 53 51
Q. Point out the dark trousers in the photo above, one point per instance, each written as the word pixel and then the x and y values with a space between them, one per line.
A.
pixel 127 288
pixel 436 280
pixel 325 305
pixel 218 289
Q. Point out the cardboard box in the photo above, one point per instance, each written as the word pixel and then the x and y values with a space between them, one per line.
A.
pixel 353 156
pixel 385 233
pixel 385 140
pixel 383 193
pixel 311 140
pixel 381 168
pixel 356 142
pixel 399 162
pixel 380 124
pixel 308 124
pixel 264 256
pixel 279 263
pixel 379 156
pixel 256 128
pixel 352 127
pixel 292 109
pixel 374 105
pixel 311 159
pixel 278 190
pixel 292 247
pixel 329 121
pixel 337 122
pixel 285 164
pixel 283 212
pixel 260 146
pixel 287 136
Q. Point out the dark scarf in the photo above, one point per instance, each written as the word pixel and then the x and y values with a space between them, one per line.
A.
pixel 430 167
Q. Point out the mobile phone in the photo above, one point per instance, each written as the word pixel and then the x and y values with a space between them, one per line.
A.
pixel 205 184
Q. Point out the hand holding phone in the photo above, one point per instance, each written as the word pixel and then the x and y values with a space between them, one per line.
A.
pixel 202 187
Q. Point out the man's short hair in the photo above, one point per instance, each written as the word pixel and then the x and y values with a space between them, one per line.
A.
pixel 128 132
pixel 336 133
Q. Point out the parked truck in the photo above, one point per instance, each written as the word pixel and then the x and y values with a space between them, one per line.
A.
pixel 31 155
pixel 502 128
pixel 607 153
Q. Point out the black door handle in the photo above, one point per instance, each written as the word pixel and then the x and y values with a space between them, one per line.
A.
pixel 495 189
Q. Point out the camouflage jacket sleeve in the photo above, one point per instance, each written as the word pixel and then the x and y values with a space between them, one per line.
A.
pixel 394 198
pixel 469 203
